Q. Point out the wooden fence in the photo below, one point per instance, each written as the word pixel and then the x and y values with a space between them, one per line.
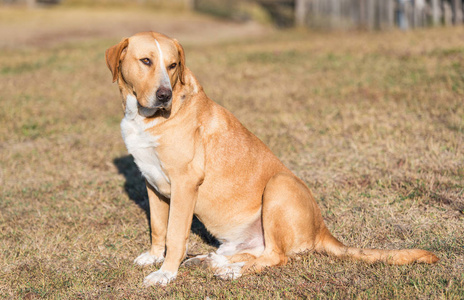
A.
pixel 377 14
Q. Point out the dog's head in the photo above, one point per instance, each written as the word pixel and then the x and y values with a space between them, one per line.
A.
pixel 149 66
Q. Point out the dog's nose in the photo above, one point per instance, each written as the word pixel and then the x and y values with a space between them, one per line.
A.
pixel 163 94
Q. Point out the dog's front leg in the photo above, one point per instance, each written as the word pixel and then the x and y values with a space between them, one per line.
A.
pixel 184 193
pixel 159 212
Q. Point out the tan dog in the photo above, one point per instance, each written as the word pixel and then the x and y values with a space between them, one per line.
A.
pixel 197 158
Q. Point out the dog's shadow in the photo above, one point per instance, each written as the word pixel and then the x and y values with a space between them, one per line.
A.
pixel 136 190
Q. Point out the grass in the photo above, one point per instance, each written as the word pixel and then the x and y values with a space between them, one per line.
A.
pixel 372 122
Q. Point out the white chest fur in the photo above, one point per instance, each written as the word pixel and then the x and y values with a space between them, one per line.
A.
pixel 142 145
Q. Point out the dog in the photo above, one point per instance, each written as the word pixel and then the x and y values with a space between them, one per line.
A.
pixel 198 159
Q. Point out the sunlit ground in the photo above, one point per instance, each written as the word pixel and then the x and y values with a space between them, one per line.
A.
pixel 372 122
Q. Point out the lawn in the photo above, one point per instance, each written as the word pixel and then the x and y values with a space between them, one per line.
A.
pixel 372 122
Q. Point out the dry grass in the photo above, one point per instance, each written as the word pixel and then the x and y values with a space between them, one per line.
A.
pixel 374 123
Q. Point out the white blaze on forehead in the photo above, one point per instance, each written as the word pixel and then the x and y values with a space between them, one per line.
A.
pixel 165 82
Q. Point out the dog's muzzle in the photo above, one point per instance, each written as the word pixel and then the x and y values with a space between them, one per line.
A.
pixel 162 103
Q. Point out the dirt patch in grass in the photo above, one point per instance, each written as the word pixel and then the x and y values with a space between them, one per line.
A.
pixel 373 122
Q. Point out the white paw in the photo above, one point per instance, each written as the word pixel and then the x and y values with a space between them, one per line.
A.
pixel 230 271
pixel 222 268
pixel 146 259
pixel 159 277
pixel 216 260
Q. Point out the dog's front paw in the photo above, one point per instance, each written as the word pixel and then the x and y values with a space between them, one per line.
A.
pixel 159 277
pixel 146 259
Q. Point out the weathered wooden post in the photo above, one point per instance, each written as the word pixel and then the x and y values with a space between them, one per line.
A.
pixel 316 11
pixel 301 12
pixel 418 13
pixel 447 13
pixel 457 11
pixel 370 9
pixel 390 8
pixel 436 12
pixel 386 14
pixel 362 13
pixel 354 12
pixel 334 12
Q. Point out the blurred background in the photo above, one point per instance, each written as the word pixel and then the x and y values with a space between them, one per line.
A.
pixel 340 14
pixel 361 99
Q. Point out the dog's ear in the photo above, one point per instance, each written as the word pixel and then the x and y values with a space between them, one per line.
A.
pixel 180 50
pixel 114 57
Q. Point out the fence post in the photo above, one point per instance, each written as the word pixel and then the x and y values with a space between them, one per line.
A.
pixel 390 13
pixel 362 13
pixel 354 12
pixel 418 15
pixel 370 18
pixel 436 12
pixel 447 13
pixel 300 12
pixel 334 11
pixel 457 11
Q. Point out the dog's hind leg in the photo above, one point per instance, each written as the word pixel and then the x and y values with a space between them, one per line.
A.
pixel 291 222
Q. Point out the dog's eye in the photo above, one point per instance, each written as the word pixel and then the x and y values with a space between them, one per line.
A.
pixel 172 66
pixel 146 61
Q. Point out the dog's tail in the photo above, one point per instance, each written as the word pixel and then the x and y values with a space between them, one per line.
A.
pixel 330 245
